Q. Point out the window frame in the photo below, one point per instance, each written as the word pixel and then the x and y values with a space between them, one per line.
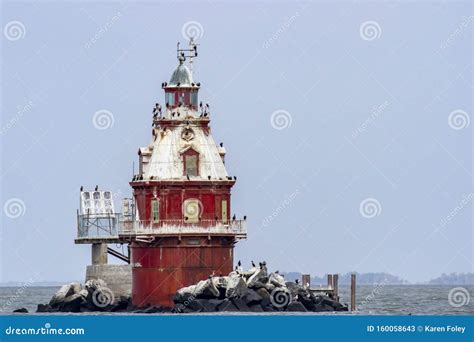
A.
pixel 190 153
pixel 155 214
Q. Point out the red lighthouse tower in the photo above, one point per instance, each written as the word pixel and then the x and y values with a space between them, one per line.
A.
pixel 182 230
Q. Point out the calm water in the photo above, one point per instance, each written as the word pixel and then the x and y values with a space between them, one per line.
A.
pixel 371 300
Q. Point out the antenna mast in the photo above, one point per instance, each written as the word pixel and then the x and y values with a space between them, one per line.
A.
pixel 190 53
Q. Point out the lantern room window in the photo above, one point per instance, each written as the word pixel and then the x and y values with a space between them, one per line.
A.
pixel 170 99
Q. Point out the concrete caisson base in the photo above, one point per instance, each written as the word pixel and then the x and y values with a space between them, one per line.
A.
pixel 117 277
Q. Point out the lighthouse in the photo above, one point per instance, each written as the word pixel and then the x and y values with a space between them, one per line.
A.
pixel 178 224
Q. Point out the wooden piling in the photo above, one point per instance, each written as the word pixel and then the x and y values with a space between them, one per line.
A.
pixel 306 280
pixel 335 283
pixel 330 281
pixel 353 292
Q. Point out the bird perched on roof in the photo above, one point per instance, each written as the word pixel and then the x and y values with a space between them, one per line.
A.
pixel 245 217
pixel 82 188
pixel 297 281
pixel 200 104
pixel 187 176
pixel 178 84
pixel 233 218
pixel 235 177
pixel 209 177
pixel 96 188
pixel 221 144
pixel 253 264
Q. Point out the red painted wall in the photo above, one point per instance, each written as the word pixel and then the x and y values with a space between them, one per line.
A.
pixel 159 269
pixel 171 200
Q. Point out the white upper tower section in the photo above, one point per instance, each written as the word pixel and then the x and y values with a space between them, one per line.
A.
pixel 182 147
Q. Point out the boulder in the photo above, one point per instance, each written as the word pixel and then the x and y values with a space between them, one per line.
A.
pixel 235 287
pixel 64 292
pixel 258 285
pixel 296 307
pixel 269 287
pixel 251 297
pixel 227 306
pixel 121 305
pixel 184 294
pixel 307 302
pixel 72 303
pixel 206 289
pixel 265 297
pixel 260 275
pixel 277 280
pixel 195 305
pixel 22 310
pixel 255 308
pixel 240 304
pixel 209 305
pixel 43 308
pixel 221 284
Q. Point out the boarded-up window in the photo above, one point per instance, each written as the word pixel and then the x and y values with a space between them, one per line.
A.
pixel 191 163
pixel 155 211
pixel 224 211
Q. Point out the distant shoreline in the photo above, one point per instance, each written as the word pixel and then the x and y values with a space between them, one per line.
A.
pixel 466 279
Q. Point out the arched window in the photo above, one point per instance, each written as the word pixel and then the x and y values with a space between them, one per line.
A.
pixel 191 163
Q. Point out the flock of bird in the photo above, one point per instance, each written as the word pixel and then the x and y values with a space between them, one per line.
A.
pixel 95 189
pixel 165 84
pixel 157 111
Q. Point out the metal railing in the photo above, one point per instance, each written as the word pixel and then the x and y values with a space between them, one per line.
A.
pixel 169 227
pixel 115 225
pixel 90 226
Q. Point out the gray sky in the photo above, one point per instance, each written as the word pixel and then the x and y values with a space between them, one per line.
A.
pixel 365 166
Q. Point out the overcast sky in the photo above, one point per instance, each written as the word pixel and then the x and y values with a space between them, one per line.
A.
pixel 347 125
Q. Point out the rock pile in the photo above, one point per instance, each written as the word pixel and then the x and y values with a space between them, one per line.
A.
pixel 93 296
pixel 252 291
